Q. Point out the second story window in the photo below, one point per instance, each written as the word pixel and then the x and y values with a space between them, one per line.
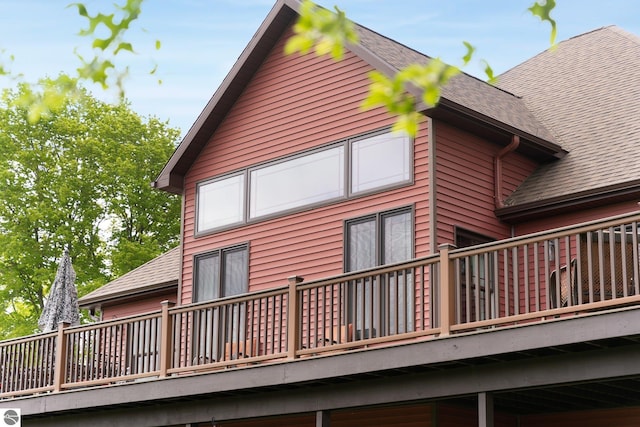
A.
pixel 221 273
pixel 382 304
pixel 380 161
pixel 379 239
pixel 220 202
pixel 301 181
pixel 339 171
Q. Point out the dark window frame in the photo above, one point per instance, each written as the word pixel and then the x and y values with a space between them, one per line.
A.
pixel 220 252
pixel 379 233
pixel 371 322
pixel 348 194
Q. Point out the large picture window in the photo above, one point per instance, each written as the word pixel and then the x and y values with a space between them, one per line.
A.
pixel 383 304
pixel 302 181
pixel 338 171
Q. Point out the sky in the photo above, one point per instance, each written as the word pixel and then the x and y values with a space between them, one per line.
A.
pixel 201 39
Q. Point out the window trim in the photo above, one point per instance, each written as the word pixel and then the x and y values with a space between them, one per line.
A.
pixel 347 194
pixel 379 228
pixel 211 181
pixel 220 252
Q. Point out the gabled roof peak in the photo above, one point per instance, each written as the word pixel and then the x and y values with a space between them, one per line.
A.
pixel 465 95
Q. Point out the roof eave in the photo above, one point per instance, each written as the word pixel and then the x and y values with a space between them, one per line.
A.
pixel 88 303
pixel 171 177
pixel 540 147
pixel 619 193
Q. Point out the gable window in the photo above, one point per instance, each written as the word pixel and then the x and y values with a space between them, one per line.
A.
pixel 380 161
pixel 221 273
pixel 301 181
pixel 383 304
pixel 220 202
pixel 339 171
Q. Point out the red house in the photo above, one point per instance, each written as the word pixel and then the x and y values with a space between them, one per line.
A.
pixel 485 272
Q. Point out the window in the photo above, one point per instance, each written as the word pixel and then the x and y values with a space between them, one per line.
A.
pixel 338 171
pixel 221 273
pixel 218 274
pixel 302 181
pixel 477 275
pixel 220 202
pixel 381 305
pixel 380 161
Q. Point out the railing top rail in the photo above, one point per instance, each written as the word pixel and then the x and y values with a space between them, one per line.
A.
pixel 34 337
pixel 548 235
pixel 389 268
pixel 231 299
pixel 113 322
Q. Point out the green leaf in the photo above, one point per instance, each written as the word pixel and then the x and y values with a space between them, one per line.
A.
pixel 488 71
pixel 329 32
pixel 543 11
pixel 470 51
pixel 158 44
pixel 123 46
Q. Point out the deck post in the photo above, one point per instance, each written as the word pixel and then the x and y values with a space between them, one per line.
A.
pixel 293 311
pixel 60 364
pixel 323 419
pixel 166 328
pixel 485 410
pixel 447 291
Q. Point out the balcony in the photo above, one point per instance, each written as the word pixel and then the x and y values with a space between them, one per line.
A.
pixel 550 276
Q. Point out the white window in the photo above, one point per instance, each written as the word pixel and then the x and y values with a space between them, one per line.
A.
pixel 380 161
pixel 302 181
pixel 220 203
pixel 337 172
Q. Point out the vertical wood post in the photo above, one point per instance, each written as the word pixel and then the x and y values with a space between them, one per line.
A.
pixel 166 329
pixel 447 289
pixel 293 313
pixel 485 410
pixel 323 419
pixel 60 364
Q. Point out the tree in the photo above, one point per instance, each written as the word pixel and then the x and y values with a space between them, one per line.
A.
pixel 78 178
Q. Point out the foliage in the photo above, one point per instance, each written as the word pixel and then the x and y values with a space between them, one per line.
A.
pixel 48 97
pixel 543 10
pixel 331 32
pixel 78 178
pixel 328 32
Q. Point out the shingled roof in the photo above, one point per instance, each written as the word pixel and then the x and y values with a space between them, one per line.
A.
pixel 464 90
pixel 465 96
pixel 160 273
pixel 587 92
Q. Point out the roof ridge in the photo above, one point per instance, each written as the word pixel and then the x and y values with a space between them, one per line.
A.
pixel 428 57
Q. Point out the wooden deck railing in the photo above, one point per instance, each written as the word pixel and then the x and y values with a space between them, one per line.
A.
pixel 569 271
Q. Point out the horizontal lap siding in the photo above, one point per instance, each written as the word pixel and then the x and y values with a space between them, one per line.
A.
pixel 140 305
pixel 576 216
pixel 465 182
pixel 295 103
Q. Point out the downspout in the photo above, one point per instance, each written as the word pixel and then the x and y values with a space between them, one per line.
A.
pixel 497 165
pixel 433 219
